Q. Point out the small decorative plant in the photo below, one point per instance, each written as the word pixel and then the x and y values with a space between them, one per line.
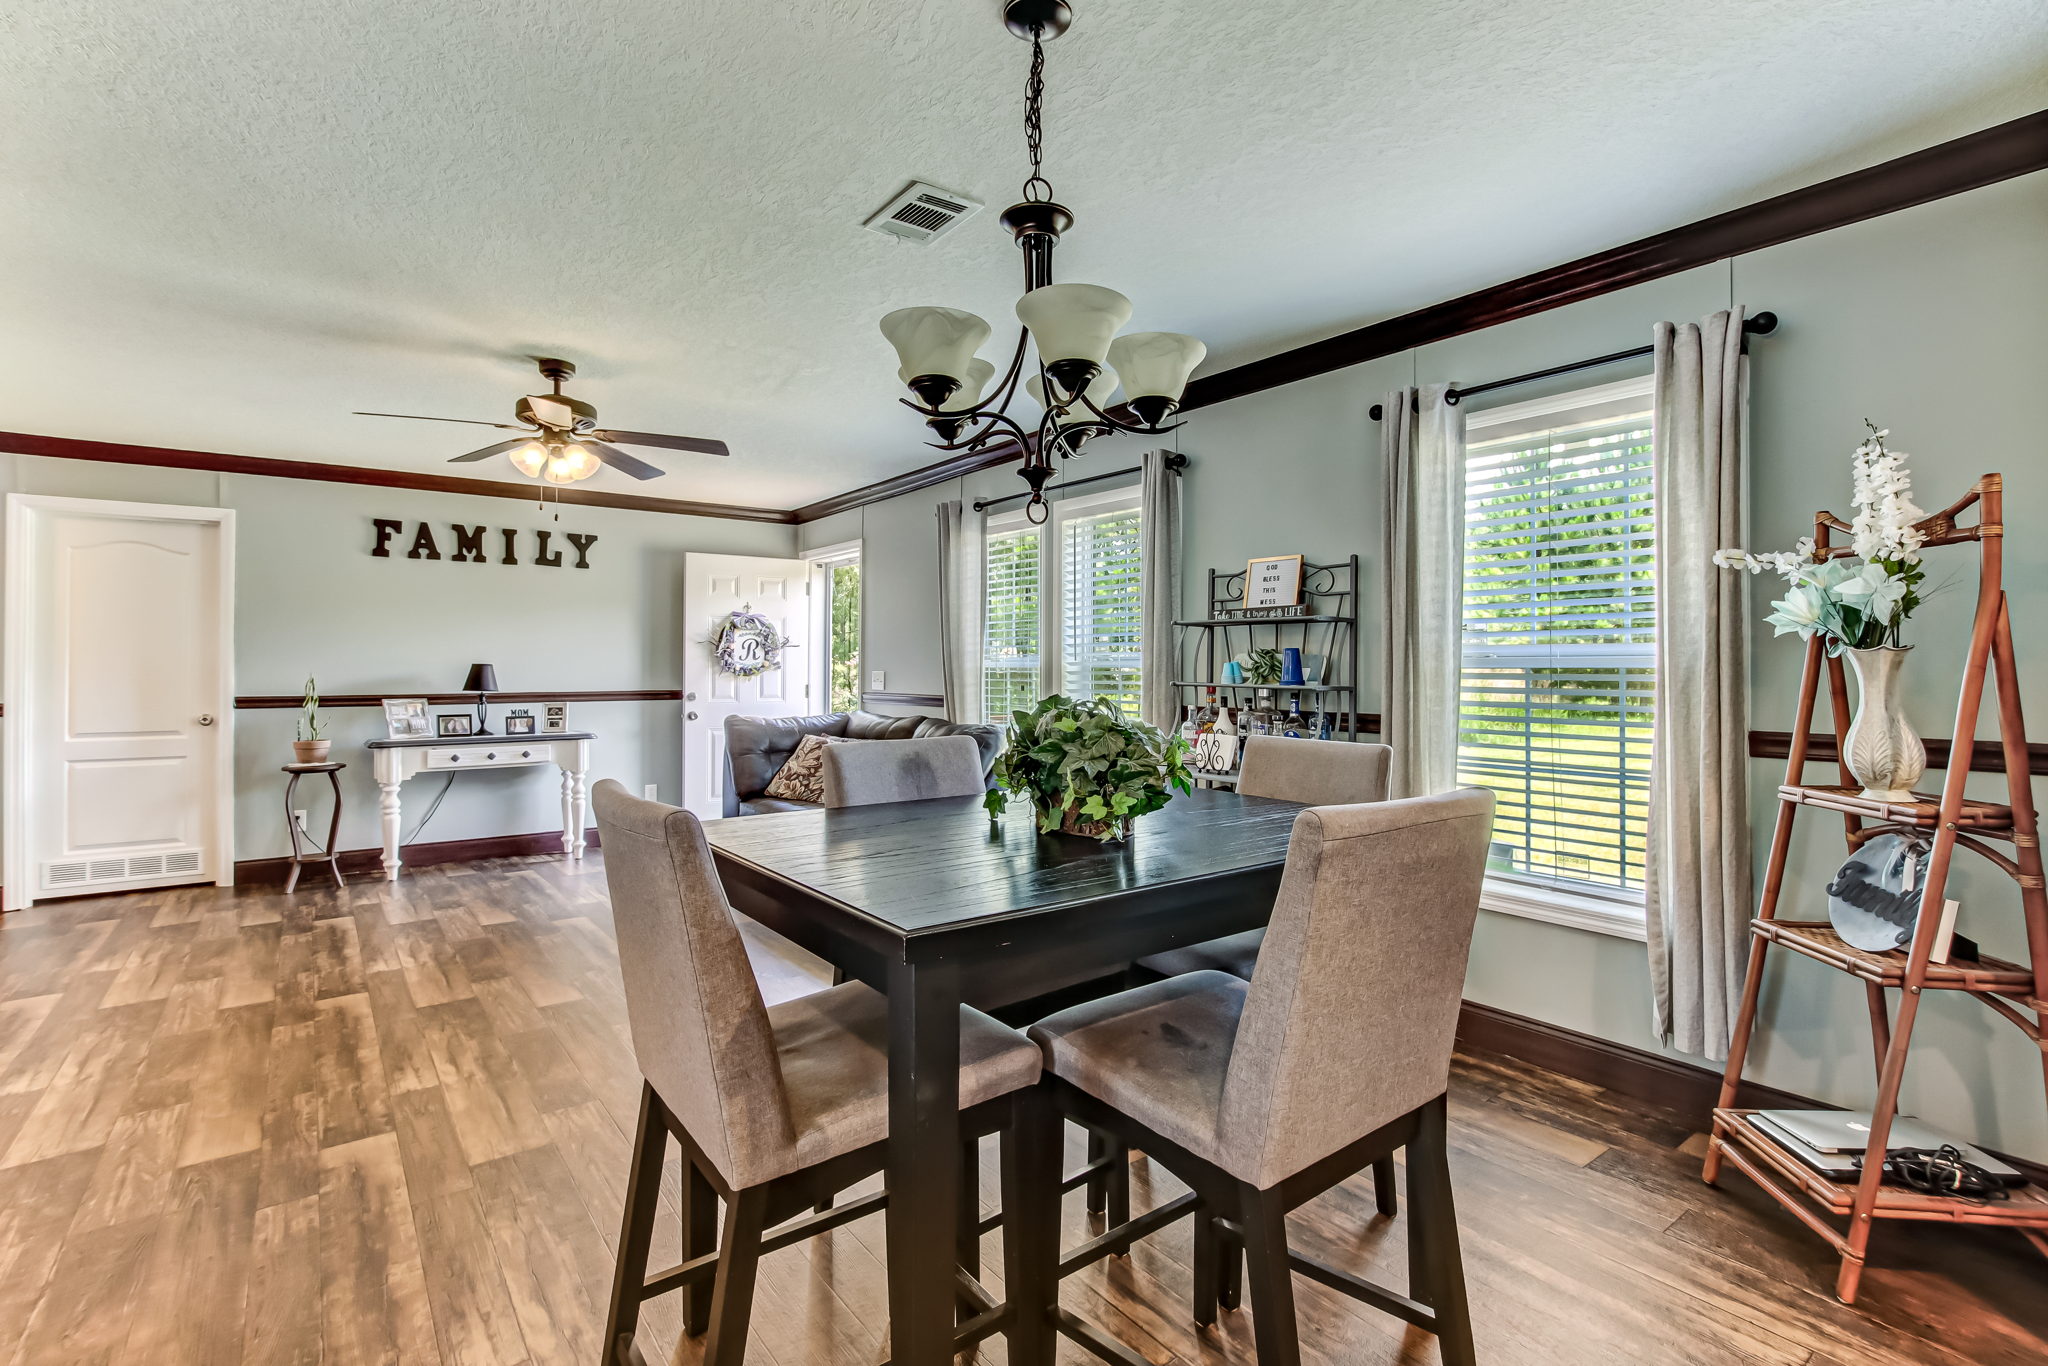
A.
pixel 310 747
pixel 1263 667
pixel 1858 601
pixel 1087 769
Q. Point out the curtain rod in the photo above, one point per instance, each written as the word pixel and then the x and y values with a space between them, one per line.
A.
pixel 1761 325
pixel 1175 461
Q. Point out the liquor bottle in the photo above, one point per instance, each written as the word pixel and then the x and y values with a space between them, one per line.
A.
pixel 1261 718
pixel 1295 727
pixel 1190 727
pixel 1322 725
pixel 1205 721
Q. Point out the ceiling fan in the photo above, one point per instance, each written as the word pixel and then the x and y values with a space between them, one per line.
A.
pixel 560 440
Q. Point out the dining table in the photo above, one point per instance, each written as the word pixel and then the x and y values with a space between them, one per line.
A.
pixel 937 904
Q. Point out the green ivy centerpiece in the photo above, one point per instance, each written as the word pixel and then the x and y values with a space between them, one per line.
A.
pixel 1086 768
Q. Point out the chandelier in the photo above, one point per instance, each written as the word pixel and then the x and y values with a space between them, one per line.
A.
pixel 1080 360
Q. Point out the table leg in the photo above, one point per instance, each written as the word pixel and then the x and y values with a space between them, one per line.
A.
pixel 387 808
pixel 334 833
pixel 579 811
pixel 924 1159
pixel 291 789
pixel 568 813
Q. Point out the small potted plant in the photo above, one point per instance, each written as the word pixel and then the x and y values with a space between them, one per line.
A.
pixel 309 747
pixel 1088 770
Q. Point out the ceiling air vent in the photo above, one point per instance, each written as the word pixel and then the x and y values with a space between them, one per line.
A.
pixel 921 213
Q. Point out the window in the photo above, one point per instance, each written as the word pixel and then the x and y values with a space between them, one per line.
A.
pixel 1071 586
pixel 1560 613
pixel 837 584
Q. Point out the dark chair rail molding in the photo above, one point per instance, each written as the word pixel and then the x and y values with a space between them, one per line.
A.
pixel 283 702
pixel 1967 163
pixel 1985 756
pixel 67 448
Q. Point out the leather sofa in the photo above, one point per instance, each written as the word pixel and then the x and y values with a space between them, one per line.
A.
pixel 756 748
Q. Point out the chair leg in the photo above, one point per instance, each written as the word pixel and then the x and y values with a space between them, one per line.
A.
pixel 1229 1272
pixel 1119 1190
pixel 1031 1225
pixel 1274 1332
pixel 1208 1269
pixel 636 1231
pixel 967 1227
pixel 1384 1185
pixel 700 1236
pixel 732 1293
pixel 1098 1182
pixel 1433 1238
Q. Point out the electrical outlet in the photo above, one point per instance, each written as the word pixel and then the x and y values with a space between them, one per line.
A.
pixel 649 792
pixel 875 680
pixel 299 819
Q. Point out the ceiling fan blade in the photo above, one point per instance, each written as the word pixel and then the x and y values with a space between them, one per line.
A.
pixel 489 451
pixel 415 417
pixel 620 461
pixel 702 444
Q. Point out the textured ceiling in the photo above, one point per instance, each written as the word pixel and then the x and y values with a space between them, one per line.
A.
pixel 226 223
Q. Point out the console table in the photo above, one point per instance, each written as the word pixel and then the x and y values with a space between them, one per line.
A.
pixel 397 760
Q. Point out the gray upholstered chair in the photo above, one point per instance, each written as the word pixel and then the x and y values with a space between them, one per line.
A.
pixel 906 771
pixel 1262 1095
pixel 776 1109
pixel 1313 772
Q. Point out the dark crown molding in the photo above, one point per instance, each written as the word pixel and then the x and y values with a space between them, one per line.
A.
pixel 2017 148
pixel 166 457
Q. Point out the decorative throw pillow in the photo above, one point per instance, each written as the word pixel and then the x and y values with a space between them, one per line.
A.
pixel 802 779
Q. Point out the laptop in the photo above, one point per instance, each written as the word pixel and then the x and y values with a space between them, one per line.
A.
pixel 1832 1141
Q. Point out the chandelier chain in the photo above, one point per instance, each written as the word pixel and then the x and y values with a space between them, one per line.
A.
pixel 1037 188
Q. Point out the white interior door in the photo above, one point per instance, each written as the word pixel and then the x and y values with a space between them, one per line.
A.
pixel 119 744
pixel 716 586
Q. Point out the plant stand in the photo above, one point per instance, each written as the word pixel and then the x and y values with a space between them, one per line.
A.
pixel 2016 992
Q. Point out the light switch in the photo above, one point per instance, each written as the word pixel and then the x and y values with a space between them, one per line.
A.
pixel 649 793
pixel 875 679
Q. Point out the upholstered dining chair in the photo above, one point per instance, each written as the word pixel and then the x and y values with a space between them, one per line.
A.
pixel 903 771
pixel 776 1108
pixel 1312 772
pixel 1260 1095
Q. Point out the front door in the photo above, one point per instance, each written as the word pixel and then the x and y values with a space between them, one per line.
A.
pixel 118 712
pixel 716 587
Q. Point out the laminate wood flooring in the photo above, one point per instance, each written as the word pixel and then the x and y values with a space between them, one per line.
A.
pixel 387 1125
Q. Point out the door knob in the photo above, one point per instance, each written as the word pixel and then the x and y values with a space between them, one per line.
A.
pixel 689 716
pixel 689 697
pixel 205 720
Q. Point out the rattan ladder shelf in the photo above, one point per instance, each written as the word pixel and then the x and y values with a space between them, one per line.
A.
pixel 2014 991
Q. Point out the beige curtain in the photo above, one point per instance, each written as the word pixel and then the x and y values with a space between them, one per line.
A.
pixel 1159 591
pixel 1698 899
pixel 1422 450
pixel 962 607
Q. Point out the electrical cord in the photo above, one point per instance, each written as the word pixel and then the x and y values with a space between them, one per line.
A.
pixel 1943 1171
pixel 432 807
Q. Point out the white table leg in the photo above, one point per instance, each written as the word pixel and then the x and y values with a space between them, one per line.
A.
pixel 569 813
pixel 387 808
pixel 579 812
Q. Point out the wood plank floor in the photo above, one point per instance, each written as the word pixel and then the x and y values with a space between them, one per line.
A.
pixel 388 1126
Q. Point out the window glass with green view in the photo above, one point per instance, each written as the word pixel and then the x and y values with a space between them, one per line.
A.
pixel 1063 604
pixel 845 674
pixel 1559 639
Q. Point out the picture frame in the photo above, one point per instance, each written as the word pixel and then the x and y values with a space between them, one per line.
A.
pixel 454 725
pixel 554 718
pixel 1273 581
pixel 519 723
pixel 405 718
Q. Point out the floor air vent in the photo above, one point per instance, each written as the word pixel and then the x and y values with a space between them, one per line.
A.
pixel 921 213
pixel 86 872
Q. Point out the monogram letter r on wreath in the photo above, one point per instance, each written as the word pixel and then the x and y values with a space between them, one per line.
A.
pixel 747 644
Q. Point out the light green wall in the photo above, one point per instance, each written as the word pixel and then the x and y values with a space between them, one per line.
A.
pixel 309 598
pixel 1929 321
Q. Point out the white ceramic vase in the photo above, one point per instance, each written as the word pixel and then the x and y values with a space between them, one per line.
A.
pixel 1883 752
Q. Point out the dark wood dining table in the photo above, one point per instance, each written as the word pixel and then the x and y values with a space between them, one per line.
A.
pixel 936 904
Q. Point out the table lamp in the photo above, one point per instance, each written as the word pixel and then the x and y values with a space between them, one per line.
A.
pixel 483 681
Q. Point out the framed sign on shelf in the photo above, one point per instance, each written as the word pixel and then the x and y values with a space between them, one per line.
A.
pixel 1274 581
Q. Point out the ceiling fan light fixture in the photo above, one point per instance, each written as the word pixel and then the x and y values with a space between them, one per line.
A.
pixel 571 463
pixel 529 458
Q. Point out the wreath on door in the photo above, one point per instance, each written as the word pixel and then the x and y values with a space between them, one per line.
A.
pixel 747 644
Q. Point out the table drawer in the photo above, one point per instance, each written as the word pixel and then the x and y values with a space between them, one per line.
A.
pixel 510 754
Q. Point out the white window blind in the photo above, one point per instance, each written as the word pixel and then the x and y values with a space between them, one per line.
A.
pixel 1560 610
pixel 1100 560
pixel 1009 677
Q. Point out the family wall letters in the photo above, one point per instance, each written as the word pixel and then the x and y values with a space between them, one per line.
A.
pixel 466 544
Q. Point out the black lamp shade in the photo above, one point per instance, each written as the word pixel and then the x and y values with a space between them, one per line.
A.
pixel 482 678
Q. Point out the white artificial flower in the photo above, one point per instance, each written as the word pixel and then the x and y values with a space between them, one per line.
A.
pixel 1799 610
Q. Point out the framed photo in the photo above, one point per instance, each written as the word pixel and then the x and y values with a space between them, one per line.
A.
pixel 519 723
pixel 1273 582
pixel 405 718
pixel 554 718
pixel 454 724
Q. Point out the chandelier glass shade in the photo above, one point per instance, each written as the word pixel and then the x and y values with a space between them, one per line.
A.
pixel 1068 342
